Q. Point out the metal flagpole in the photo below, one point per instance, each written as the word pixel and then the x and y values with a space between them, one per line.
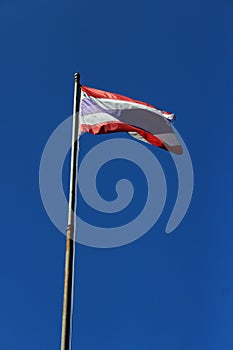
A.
pixel 66 336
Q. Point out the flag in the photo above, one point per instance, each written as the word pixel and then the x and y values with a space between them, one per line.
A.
pixel 104 112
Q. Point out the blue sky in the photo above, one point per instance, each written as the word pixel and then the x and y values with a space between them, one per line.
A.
pixel 162 291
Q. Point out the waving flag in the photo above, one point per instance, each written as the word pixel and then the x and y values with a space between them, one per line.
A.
pixel 104 112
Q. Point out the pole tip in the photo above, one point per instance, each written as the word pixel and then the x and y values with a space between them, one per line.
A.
pixel 76 76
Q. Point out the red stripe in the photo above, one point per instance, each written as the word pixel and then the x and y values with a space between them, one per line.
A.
pixel 109 95
pixel 105 128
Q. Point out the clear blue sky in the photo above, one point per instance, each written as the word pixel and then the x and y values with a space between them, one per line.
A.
pixel 161 292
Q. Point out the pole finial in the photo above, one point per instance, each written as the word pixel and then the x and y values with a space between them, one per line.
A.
pixel 76 76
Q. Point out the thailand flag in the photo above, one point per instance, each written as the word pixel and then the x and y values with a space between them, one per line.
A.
pixel 104 112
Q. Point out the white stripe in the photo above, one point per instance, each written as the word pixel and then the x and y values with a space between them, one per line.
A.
pixel 120 104
pixel 97 118
pixel 137 136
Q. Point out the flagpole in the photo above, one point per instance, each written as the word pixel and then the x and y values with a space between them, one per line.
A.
pixel 66 336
